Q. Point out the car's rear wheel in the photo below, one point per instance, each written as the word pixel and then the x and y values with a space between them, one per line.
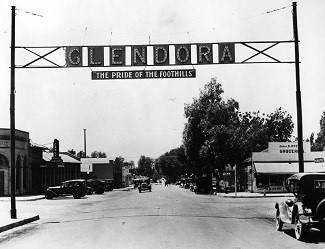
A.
pixel 300 229
pixel 278 221
pixel 49 195
pixel 77 195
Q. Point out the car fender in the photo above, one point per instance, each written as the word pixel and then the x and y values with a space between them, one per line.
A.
pixel 51 191
pixel 298 208
pixel 285 215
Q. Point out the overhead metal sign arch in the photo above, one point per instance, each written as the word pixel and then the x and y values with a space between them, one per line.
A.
pixel 160 55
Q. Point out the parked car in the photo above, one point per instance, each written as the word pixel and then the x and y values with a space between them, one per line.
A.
pixel 77 188
pixel 97 185
pixel 307 210
pixel 203 185
pixel 144 185
pixel 108 184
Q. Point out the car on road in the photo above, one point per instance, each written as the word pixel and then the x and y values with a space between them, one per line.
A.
pixel 98 186
pixel 77 188
pixel 144 185
pixel 307 210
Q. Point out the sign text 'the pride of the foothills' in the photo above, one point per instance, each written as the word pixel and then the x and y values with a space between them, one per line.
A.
pixel 120 56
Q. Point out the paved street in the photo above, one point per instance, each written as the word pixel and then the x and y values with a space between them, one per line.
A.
pixel 167 217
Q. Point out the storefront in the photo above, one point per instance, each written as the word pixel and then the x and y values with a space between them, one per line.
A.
pixel 53 168
pixel 269 169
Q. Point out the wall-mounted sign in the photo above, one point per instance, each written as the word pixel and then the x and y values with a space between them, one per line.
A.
pixel 143 74
pixel 319 160
pixel 287 147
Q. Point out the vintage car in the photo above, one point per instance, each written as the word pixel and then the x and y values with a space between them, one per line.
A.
pixel 77 188
pixel 98 186
pixel 144 185
pixel 307 210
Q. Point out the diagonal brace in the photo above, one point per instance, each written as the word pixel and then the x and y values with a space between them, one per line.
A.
pixel 261 52
pixel 42 57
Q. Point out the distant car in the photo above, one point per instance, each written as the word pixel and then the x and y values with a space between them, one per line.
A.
pixel 145 185
pixel 97 185
pixel 307 210
pixel 77 188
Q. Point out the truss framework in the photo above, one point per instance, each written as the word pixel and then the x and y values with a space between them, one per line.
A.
pixel 248 60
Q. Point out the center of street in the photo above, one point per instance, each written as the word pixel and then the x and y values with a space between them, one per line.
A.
pixel 171 217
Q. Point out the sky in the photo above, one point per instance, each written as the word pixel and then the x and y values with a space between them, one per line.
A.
pixel 130 118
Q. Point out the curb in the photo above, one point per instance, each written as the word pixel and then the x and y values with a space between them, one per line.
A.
pixel 18 223
pixel 262 196
pixel 35 199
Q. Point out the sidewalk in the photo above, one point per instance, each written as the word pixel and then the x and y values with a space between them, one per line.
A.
pixel 253 195
pixel 7 223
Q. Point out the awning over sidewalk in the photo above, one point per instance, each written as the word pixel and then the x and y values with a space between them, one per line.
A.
pixel 287 168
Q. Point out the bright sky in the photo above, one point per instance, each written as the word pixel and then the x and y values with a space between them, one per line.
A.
pixel 130 118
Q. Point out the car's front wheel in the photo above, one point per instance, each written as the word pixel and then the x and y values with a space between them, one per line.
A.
pixel 300 230
pixel 49 195
pixel 77 195
pixel 278 221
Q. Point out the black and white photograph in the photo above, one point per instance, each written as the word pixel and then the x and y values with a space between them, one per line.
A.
pixel 138 124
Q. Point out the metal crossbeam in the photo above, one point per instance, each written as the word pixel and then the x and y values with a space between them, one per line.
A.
pixel 41 57
pixel 260 52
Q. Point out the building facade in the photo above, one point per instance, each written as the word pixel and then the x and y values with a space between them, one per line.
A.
pixel 101 168
pixel 22 163
pixel 269 169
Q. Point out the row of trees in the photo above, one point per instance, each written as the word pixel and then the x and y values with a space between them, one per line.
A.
pixel 217 133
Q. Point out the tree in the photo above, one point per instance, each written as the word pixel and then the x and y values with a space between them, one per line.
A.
pixel 211 123
pixel 72 152
pixel 279 126
pixel 98 154
pixel 172 164
pixel 145 166
pixel 319 144
pixel 217 133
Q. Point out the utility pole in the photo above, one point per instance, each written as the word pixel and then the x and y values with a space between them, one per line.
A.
pixel 13 211
pixel 298 93
pixel 85 142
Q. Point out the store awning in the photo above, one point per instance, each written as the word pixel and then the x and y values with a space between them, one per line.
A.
pixel 287 168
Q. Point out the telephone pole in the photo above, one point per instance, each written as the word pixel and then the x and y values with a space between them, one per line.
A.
pixel 85 142
pixel 298 93
pixel 13 211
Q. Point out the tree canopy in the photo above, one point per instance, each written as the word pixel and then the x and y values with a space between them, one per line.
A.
pixel 98 154
pixel 217 133
pixel 145 166
pixel 319 143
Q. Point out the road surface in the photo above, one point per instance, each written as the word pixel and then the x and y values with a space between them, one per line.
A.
pixel 167 217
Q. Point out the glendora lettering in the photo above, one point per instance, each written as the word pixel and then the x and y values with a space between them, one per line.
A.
pixel 146 55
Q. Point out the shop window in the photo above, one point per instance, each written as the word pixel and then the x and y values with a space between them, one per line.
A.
pixel 262 180
pixel 276 180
